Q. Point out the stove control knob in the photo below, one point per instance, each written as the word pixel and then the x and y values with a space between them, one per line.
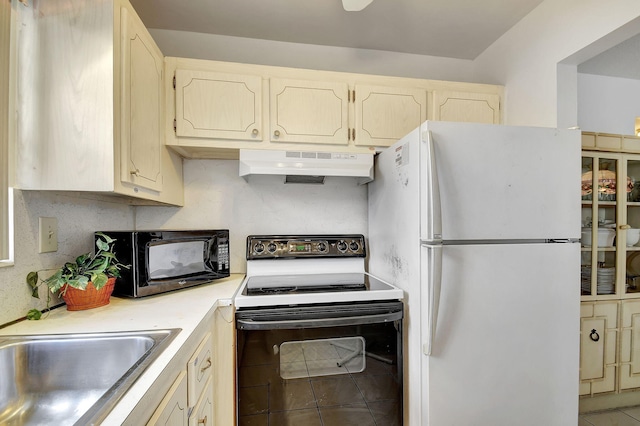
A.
pixel 354 246
pixel 258 248
pixel 271 247
pixel 322 247
pixel 341 246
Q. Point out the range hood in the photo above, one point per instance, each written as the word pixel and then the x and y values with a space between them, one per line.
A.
pixel 306 166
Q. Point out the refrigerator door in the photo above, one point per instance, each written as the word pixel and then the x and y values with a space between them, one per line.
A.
pixel 506 345
pixel 499 182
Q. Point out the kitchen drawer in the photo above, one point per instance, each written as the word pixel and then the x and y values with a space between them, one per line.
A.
pixel 203 411
pixel 199 370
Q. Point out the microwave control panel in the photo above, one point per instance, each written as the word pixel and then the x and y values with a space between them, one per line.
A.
pixel 300 246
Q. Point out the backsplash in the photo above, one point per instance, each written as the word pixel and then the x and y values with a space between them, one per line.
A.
pixel 215 197
pixel 77 218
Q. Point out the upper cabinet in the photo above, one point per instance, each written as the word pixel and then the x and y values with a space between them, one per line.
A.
pixel 466 107
pixel 385 114
pixel 218 105
pixel 141 112
pixel 308 111
pixel 95 120
pixel 221 107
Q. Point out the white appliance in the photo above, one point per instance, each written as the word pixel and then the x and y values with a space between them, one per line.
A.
pixel 310 320
pixel 479 225
pixel 306 166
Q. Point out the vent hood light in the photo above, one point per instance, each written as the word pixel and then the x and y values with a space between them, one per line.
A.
pixel 306 166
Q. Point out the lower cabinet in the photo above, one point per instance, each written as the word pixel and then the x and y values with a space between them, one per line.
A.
pixel 609 354
pixel 173 410
pixel 598 342
pixel 203 411
pixel 630 344
pixel 189 401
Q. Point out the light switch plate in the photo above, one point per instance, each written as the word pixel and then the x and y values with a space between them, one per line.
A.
pixel 48 234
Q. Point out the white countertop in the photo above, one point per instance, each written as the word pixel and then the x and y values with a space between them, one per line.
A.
pixel 183 309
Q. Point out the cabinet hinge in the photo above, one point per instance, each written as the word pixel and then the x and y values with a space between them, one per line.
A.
pixel 174 82
pixel 175 125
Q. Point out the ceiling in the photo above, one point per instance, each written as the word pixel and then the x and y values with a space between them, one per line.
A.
pixel 622 61
pixel 447 28
pixel 460 29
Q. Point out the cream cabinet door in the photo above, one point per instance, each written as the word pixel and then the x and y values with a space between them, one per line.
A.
pixel 308 111
pixel 199 369
pixel 172 410
pixel 630 345
pixel 383 115
pixel 142 135
pixel 218 106
pixel 203 411
pixel 598 341
pixel 466 107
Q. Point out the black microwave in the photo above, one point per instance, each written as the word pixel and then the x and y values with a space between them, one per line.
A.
pixel 163 261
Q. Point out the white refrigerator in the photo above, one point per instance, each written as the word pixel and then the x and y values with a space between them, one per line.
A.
pixel 480 226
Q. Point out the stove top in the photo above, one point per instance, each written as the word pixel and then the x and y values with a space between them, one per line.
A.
pixel 309 269
pixel 299 289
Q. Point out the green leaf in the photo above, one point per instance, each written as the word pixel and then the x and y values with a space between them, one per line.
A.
pixel 99 280
pixel 107 238
pixel 34 315
pixel 80 282
pixel 102 245
pixel 83 259
pixel 32 279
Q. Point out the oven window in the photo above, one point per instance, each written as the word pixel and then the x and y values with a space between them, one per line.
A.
pixel 322 357
pixel 294 376
pixel 176 259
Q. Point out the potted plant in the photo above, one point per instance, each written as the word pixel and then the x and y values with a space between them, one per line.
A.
pixel 86 283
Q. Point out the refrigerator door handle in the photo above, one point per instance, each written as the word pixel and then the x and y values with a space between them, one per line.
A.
pixel 434 283
pixel 432 212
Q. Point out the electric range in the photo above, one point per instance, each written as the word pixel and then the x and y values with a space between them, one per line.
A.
pixel 308 317
pixel 309 269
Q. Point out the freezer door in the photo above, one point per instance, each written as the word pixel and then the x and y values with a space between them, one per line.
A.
pixel 506 345
pixel 500 182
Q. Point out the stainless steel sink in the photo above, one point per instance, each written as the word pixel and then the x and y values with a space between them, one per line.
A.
pixel 67 379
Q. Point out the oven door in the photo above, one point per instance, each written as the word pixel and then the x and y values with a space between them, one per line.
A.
pixel 320 364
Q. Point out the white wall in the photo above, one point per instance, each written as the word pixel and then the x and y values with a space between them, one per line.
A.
pixel 525 59
pixel 217 198
pixel 295 55
pixel 608 104
pixel 77 218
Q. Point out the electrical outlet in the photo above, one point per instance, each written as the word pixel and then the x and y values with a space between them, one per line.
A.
pixel 48 235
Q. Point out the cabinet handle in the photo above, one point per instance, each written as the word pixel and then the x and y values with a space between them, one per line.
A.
pixel 135 172
pixel 276 133
pixel 206 366
pixel 594 335
pixel 202 421
pixel 254 132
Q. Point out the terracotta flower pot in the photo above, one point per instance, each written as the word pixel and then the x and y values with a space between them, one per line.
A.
pixel 79 300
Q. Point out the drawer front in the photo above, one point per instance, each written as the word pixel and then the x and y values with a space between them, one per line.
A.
pixel 199 369
pixel 202 414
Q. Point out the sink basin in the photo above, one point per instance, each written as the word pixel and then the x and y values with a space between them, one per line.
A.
pixel 67 379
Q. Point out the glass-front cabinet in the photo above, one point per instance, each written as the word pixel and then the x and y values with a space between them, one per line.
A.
pixel 610 257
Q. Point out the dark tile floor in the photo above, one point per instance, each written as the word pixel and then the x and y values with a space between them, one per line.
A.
pixel 369 397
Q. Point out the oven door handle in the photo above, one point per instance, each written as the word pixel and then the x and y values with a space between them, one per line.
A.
pixel 250 324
